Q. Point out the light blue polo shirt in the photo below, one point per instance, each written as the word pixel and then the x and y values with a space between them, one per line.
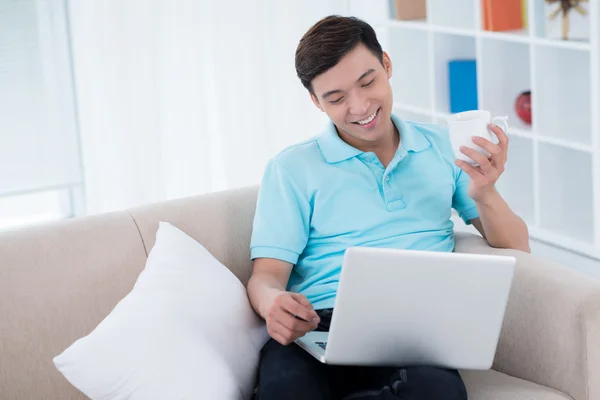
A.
pixel 321 196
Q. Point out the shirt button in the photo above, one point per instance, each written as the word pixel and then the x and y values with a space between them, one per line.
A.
pixel 387 178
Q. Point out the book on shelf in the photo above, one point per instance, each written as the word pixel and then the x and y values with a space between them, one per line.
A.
pixel 462 85
pixel 503 15
pixel 410 9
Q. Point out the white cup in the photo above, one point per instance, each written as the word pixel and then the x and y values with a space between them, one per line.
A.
pixel 465 125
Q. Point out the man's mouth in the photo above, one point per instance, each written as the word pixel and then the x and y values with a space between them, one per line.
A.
pixel 369 120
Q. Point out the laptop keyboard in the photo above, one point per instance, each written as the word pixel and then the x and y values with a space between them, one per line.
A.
pixel 322 344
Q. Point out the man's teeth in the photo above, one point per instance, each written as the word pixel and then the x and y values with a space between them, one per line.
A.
pixel 366 121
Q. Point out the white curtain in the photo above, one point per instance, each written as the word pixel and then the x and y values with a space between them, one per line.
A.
pixel 182 97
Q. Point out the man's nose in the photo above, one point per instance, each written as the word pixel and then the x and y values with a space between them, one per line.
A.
pixel 358 106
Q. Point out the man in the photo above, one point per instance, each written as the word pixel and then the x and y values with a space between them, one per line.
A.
pixel 370 179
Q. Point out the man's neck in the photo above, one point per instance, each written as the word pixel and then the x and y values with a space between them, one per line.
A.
pixel 384 149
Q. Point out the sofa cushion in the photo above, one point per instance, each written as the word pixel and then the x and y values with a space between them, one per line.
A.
pixel 493 385
pixel 186 330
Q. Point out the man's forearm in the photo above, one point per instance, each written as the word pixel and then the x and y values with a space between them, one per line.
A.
pixel 502 227
pixel 262 289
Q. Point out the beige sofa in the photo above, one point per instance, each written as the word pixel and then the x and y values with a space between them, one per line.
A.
pixel 58 281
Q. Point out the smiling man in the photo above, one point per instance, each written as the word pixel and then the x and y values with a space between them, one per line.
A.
pixel 369 179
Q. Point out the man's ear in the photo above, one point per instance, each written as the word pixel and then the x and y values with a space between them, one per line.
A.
pixel 316 102
pixel 387 64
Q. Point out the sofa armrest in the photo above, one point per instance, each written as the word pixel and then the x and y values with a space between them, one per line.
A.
pixel 551 330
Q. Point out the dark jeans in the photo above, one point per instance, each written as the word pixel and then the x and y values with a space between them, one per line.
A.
pixel 288 372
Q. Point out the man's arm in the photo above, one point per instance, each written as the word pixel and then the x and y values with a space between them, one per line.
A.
pixel 279 235
pixel 269 279
pixel 497 223
pixel 279 308
pixel 500 226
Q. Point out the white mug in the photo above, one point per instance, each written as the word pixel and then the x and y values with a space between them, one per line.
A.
pixel 465 125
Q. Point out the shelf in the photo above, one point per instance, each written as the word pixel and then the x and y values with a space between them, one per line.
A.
pixel 561 102
pixel 566 144
pixel 412 109
pixel 511 36
pixel 552 176
pixel 516 183
pixel 565 192
pixel 420 25
pixel 520 36
pixel 523 133
pixel 501 81
pixel 408 115
pixel 557 142
pixel 458 14
pixel 561 44
pixel 440 120
pixel 410 81
pixel 445 48
pixel 564 242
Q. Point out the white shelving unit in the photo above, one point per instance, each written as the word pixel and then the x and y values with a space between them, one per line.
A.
pixel 552 178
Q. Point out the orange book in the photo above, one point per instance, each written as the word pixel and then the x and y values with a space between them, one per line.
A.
pixel 485 23
pixel 502 15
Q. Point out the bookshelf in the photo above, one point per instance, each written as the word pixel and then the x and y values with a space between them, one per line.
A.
pixel 552 177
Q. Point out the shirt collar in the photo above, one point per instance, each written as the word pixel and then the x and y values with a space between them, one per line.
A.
pixel 334 149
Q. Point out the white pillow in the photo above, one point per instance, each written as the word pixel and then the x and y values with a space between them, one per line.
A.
pixel 185 331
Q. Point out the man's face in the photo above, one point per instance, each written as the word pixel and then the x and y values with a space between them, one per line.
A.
pixel 356 95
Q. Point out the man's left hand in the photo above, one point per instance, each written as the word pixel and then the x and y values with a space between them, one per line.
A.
pixel 484 177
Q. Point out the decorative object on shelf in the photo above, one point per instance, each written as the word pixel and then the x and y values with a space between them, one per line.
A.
pixel 565 7
pixel 462 81
pixel 410 9
pixel 502 15
pixel 523 106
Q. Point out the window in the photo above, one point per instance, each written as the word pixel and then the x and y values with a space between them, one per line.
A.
pixel 35 207
pixel 40 168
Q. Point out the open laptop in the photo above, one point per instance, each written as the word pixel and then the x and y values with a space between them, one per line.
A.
pixel 406 308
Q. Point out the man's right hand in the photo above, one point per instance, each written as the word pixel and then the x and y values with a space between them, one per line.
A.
pixel 289 317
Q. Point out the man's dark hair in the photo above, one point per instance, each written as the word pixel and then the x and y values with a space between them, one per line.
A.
pixel 330 39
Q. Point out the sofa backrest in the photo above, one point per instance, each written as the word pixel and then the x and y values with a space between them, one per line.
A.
pixel 59 280
pixel 221 222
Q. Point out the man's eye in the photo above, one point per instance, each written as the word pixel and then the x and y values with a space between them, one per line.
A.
pixel 337 101
pixel 369 84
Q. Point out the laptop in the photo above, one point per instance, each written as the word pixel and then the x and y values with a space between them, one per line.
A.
pixel 406 308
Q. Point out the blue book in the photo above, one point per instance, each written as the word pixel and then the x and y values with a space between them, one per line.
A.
pixel 462 81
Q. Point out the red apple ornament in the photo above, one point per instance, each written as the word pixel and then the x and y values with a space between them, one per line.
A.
pixel 523 106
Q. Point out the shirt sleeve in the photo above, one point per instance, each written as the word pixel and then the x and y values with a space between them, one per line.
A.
pixel 282 219
pixel 461 202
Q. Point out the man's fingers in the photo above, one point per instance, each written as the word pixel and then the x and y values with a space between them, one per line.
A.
pixel 473 172
pixel 291 305
pixel 276 333
pixel 488 146
pixel 300 298
pixel 295 324
pixel 484 162
pixel 286 335
pixel 501 135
